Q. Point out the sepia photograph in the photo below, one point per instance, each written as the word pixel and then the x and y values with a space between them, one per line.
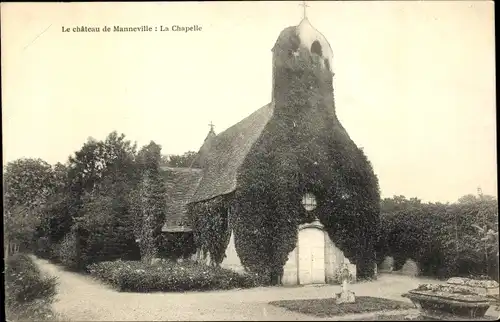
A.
pixel 250 160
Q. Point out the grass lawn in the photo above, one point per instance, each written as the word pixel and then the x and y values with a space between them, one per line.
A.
pixel 327 307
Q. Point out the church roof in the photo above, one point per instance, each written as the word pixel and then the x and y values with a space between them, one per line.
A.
pixel 227 153
pixel 221 161
pixel 180 184
pixel 199 161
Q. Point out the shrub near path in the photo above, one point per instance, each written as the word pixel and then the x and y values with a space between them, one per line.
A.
pixel 168 276
pixel 29 294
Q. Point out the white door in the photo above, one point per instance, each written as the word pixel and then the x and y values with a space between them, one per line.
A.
pixel 311 256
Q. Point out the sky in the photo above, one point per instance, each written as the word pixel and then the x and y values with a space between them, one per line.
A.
pixel 414 81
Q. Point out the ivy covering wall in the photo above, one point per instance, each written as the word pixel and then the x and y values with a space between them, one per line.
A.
pixel 210 226
pixel 304 148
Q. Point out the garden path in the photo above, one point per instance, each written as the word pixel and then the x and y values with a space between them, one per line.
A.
pixel 81 298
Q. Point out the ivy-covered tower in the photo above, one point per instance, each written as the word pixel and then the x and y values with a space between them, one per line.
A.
pixel 305 151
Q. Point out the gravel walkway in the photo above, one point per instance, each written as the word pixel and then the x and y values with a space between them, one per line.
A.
pixel 81 298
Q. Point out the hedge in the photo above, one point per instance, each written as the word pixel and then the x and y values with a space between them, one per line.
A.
pixel 166 276
pixel 440 238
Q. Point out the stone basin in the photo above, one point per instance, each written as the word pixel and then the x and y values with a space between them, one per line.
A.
pixel 489 288
pixel 438 301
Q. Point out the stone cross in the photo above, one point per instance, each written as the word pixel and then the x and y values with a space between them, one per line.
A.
pixel 304 5
pixel 211 126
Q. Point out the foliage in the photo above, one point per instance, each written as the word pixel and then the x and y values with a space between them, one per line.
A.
pixel 398 203
pixel 102 175
pixel 56 221
pixel 27 185
pixel 20 224
pixel 149 200
pixel 29 294
pixel 490 238
pixel 304 148
pixel 328 307
pixel 440 237
pixel 210 226
pixel 470 198
pixel 185 160
pixel 167 276
pixel 27 182
pixel 176 245
pixel 67 251
pixel 100 163
pixel 105 229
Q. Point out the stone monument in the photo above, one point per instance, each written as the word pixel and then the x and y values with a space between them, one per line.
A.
pixel 345 296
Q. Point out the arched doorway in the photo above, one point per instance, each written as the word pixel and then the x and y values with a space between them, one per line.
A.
pixel 311 254
pixel 315 259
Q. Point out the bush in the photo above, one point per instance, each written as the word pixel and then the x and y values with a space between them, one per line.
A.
pixel 66 251
pixel 135 276
pixel 29 294
pixel 441 238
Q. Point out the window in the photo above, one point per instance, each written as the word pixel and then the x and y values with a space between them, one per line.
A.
pixel 309 201
pixel 316 48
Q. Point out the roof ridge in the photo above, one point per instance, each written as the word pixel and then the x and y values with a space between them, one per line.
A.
pixel 227 153
pixel 243 119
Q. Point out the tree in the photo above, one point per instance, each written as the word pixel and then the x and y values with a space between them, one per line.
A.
pixel 28 184
pixel 470 198
pixel 102 176
pixel 443 238
pixel 150 202
pixel 20 224
pixel 467 199
pixel 185 160
pixel 85 170
pixel 398 203
pixel 56 220
pixel 100 163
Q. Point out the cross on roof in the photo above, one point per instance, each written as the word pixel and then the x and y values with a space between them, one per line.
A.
pixel 211 126
pixel 304 5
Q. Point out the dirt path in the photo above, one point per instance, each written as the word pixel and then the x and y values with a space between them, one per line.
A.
pixel 80 298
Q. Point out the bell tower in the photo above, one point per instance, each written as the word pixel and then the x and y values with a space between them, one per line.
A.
pixel 300 51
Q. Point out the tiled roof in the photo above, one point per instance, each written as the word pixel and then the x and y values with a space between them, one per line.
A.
pixel 227 152
pixel 205 148
pixel 180 186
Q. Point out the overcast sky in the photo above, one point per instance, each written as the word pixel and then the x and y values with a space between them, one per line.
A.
pixel 414 81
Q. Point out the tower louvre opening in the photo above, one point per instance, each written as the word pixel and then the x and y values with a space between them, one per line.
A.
pixel 316 48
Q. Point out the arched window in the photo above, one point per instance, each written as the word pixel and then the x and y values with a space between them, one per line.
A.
pixel 316 48
pixel 309 201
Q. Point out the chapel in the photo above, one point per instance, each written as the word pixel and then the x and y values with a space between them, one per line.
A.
pixel 290 169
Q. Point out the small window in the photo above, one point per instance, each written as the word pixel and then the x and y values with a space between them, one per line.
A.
pixel 316 48
pixel 309 201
